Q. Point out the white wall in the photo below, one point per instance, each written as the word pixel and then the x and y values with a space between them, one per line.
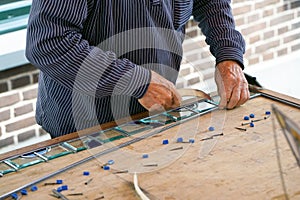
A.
pixel 281 74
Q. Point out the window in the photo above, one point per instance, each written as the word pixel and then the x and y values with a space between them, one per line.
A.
pixel 13 22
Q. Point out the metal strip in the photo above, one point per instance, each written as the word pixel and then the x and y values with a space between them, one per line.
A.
pixel 11 165
pixel 290 103
pixel 41 156
pixel 69 147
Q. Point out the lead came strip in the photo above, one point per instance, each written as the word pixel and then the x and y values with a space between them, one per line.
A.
pixel 41 156
pixel 69 147
pixel 11 165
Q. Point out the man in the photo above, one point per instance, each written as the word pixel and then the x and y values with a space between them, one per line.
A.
pixel 101 60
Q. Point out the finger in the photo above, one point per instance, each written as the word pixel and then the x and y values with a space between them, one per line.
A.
pixel 175 96
pixel 155 108
pixel 176 99
pixel 168 97
pixel 245 95
pixel 235 97
pixel 161 92
pixel 223 101
pixel 226 95
pixel 221 90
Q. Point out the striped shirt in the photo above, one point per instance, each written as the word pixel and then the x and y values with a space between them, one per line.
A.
pixel 95 56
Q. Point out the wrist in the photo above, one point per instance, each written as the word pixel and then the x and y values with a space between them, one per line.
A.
pixel 229 63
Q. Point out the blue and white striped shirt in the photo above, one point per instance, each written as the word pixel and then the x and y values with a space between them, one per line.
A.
pixel 94 56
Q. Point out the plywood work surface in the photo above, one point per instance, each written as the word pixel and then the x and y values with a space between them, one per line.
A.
pixel 235 165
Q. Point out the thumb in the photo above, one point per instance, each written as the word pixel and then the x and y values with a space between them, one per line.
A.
pixel 223 100
pixel 221 90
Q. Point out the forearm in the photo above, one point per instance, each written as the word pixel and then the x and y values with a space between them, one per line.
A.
pixel 217 23
pixel 56 46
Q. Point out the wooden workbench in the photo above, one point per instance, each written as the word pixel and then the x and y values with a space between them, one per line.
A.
pixel 235 165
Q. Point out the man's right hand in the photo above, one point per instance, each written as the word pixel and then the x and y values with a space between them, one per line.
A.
pixel 160 95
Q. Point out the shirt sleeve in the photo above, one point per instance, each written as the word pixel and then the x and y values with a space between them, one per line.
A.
pixel 56 46
pixel 217 24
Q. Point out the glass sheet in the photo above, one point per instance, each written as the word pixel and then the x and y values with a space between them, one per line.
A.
pixel 204 106
pixel 101 137
pixel 22 162
pixel 78 143
pixel 107 135
pixel 32 155
pixel 133 127
pixel 157 120
pixel 57 151
pixel 181 113
pixel 92 142
pixel 5 169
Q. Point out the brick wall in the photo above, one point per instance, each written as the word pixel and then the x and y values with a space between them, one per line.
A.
pixel 17 105
pixel 271 29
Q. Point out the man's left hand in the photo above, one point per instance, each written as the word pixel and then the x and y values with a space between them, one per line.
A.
pixel 232 84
